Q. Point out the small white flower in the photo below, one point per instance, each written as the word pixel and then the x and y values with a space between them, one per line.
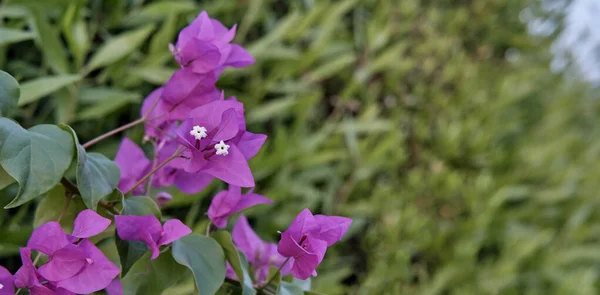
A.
pixel 222 148
pixel 1 286
pixel 198 132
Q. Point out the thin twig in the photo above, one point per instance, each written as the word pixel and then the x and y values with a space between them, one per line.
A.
pixel 274 275
pixel 122 128
pixel 173 156
pixel 113 132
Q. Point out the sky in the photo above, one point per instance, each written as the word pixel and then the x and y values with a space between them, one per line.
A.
pixel 582 38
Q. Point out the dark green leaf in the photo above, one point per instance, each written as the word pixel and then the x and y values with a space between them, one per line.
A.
pixel 151 277
pixel 37 158
pixel 97 176
pixel 205 258
pixel 129 253
pixel 141 206
pixel 237 260
pixel 5 179
pixel 9 94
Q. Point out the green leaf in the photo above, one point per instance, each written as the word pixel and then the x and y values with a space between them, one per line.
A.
pixel 275 282
pixel 97 176
pixel 37 158
pixel 129 253
pixel 9 36
pixel 141 206
pixel 38 88
pixel 49 42
pixel 108 105
pixel 205 258
pixel 287 288
pixel 237 260
pixel 151 277
pixel 9 94
pixel 51 206
pixel 119 47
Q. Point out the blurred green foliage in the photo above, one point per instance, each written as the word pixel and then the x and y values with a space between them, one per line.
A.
pixel 468 167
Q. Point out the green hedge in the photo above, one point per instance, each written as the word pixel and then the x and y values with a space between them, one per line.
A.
pixel 468 166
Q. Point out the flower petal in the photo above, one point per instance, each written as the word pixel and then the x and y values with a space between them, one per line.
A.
pixel 192 183
pixel 96 275
pixel 331 228
pixel 89 223
pixel 246 239
pixel 145 229
pixel 239 57
pixel 173 230
pixel 231 168
pixel 228 128
pixel 250 143
pixel 64 263
pixel 133 164
pixel 6 280
pixel 26 276
pixel 48 238
pixel 250 199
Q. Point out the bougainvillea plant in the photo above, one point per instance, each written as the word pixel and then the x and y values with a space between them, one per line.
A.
pixel 197 135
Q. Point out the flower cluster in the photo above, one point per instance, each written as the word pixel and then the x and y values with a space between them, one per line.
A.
pixel 75 265
pixel 197 135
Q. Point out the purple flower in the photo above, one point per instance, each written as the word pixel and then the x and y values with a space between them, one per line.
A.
pixel 162 199
pixel 205 47
pixel 148 229
pixel 226 203
pixel 261 254
pixel 27 277
pixel 75 264
pixel 134 165
pixel 114 288
pixel 210 136
pixel 185 91
pixel 6 282
pixel 306 240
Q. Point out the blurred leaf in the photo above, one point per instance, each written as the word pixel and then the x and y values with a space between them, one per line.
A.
pixel 51 206
pixel 288 288
pixel 237 260
pixel 270 110
pixel 205 258
pixel 108 105
pixel 47 145
pixel 154 75
pixel 49 42
pixel 305 285
pixel 151 277
pixel 119 47
pixel 9 94
pixel 141 206
pixel 8 36
pixel 38 88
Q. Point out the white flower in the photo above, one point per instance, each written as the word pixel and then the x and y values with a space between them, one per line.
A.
pixel 1 286
pixel 198 132
pixel 222 148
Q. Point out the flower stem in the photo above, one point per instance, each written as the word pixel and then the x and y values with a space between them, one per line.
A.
pixel 208 228
pixel 113 132
pixel 173 156
pixel 274 275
